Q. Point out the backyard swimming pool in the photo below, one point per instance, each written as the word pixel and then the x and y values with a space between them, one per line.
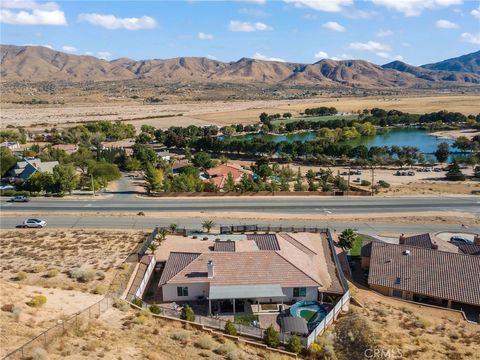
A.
pixel 312 311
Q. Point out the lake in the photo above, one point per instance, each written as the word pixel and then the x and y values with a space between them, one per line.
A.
pixel 421 139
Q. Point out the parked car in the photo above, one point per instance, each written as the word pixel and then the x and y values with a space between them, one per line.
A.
pixel 20 198
pixel 411 173
pixel 459 240
pixel 7 187
pixel 34 223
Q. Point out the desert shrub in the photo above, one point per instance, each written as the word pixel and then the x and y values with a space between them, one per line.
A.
pixel 8 307
pixel 37 301
pixel 204 342
pixel 232 356
pixel 205 238
pixel 295 344
pixel 100 290
pixel 141 319
pixel 271 337
pixel 39 354
pixel 314 349
pixel 52 273
pixel 17 313
pixel 155 309
pixel 82 275
pixel 383 184
pixel 187 313
pixel 121 305
pixel 226 348
pixel 180 336
pixel 137 302
pixel 422 324
pixel 230 328
pixel 22 275
pixel 38 268
pixel 365 183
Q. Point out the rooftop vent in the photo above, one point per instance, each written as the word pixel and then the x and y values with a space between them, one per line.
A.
pixel 406 252
pixel 211 269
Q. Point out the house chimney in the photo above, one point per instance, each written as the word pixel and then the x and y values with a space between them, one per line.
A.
pixel 211 269
pixel 434 246
pixel 402 239
pixel 476 239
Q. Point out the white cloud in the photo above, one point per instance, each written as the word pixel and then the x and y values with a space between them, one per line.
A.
pixel 321 5
pixel 241 26
pixel 104 55
pixel 359 14
pixel 446 24
pixel 333 25
pixel 387 56
pixel 259 56
pixel 69 48
pixel 476 13
pixel 204 36
pixel 47 46
pixel 415 7
pixel 369 46
pixel 384 33
pixel 321 55
pixel 31 13
pixel 253 12
pixel 471 38
pixel 259 2
pixel 112 22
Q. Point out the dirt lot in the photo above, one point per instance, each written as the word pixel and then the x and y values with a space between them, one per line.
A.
pixel 216 112
pixel 47 256
pixel 420 332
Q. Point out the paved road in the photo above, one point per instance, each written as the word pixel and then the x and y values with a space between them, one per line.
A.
pixel 285 205
pixel 139 222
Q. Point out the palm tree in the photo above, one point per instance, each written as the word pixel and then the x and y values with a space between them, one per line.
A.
pixel 173 227
pixel 153 247
pixel 162 234
pixel 208 225
pixel 346 239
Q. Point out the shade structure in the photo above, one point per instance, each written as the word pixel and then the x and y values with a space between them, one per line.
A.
pixel 218 292
pixel 294 325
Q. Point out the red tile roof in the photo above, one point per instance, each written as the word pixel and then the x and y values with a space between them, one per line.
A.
pixel 427 272
pixel 265 241
pixel 175 263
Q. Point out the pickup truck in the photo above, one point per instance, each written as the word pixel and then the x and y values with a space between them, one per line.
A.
pixel 20 198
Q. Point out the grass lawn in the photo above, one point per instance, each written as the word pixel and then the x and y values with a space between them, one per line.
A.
pixel 315 118
pixel 357 245
pixel 245 319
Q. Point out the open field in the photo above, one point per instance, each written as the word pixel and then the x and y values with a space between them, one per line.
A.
pixel 419 332
pixel 216 112
pixel 47 256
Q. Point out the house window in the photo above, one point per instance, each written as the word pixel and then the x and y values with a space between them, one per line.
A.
pixel 182 291
pixel 299 292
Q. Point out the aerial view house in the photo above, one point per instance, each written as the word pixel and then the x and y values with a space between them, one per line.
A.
pixel 424 274
pixel 29 166
pixel 218 175
pixel 68 148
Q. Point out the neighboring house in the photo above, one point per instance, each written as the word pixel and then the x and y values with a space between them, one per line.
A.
pixel 29 166
pixel 218 175
pixel 179 165
pixel 164 155
pixel 423 274
pixel 68 148
pixel 267 268
pixel 12 145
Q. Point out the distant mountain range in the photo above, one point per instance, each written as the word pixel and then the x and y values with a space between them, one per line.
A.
pixel 37 63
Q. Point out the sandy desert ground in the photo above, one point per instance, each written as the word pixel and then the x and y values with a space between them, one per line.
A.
pixel 218 113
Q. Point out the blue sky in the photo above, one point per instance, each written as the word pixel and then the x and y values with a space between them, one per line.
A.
pixel 415 31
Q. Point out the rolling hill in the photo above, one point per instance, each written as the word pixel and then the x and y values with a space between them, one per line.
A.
pixel 36 63
pixel 465 63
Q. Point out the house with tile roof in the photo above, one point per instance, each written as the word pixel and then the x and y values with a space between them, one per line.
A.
pixel 253 268
pixel 218 174
pixel 423 274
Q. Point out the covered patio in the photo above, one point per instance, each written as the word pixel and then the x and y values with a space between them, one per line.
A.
pixel 230 299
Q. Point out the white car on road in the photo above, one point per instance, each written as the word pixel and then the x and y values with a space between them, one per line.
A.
pixel 34 223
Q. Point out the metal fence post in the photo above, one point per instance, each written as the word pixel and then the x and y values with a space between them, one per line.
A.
pixel 45 339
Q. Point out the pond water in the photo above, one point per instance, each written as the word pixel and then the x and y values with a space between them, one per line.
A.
pixel 426 143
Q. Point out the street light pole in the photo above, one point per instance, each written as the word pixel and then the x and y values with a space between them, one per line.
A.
pixel 93 186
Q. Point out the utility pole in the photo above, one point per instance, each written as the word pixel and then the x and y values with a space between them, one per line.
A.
pixel 93 186
pixel 373 178
pixel 349 170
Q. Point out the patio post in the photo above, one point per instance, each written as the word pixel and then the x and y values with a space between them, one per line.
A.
pixel 209 307
pixel 233 306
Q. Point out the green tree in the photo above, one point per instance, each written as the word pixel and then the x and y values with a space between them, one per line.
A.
pixel 230 328
pixel 284 185
pixel 347 238
pixel 202 160
pixel 299 185
pixel 173 227
pixel 40 181
pixel 454 173
pixel 103 172
pixel 462 143
pixel 132 164
pixel 295 344
pixel 153 178
pixel 7 161
pixel 442 152
pixel 153 247
pixel 187 313
pixel 271 337
pixel 229 185
pixel 208 225
pixel 65 178
pixel 81 158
